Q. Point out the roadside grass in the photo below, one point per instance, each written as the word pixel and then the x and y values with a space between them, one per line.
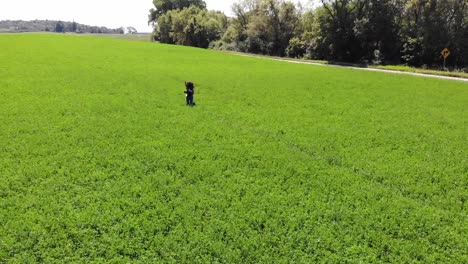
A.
pixel 101 161
pixel 400 68
pixel 458 74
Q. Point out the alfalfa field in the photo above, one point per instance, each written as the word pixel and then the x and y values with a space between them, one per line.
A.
pixel 101 161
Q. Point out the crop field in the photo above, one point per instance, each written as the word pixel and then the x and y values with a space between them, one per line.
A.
pixel 145 37
pixel 101 161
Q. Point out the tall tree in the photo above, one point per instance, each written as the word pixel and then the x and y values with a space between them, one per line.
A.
pixel 59 27
pixel 265 26
pixel 378 31
pixel 289 19
pixel 369 31
pixel 339 27
pixel 191 27
pixel 431 25
pixel 163 6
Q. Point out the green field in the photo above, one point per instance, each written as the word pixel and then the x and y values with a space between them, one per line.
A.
pixel 101 161
pixel 145 37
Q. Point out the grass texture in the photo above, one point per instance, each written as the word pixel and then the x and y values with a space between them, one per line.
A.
pixel 101 161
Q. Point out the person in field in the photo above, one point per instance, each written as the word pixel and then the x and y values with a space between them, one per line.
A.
pixel 189 92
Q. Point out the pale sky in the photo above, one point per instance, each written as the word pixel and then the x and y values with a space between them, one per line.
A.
pixel 108 13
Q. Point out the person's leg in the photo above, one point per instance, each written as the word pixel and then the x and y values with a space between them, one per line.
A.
pixel 187 99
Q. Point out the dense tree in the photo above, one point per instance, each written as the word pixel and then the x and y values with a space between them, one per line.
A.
pixel 74 26
pixel 338 28
pixel 59 27
pixel 163 6
pixel 431 25
pixel 235 35
pixel 377 31
pixel 367 31
pixel 52 25
pixel 263 26
pixel 191 26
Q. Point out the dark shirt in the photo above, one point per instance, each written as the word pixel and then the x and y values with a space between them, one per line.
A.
pixel 190 91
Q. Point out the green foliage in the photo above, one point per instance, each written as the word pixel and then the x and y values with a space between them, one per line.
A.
pixel 265 26
pixel 296 48
pixel 411 32
pixel 101 162
pixel 228 46
pixel 430 26
pixel 191 27
pixel 164 6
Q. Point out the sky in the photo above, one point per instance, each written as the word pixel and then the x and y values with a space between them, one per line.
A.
pixel 108 13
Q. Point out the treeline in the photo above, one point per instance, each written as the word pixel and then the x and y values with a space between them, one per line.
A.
pixel 412 32
pixel 54 26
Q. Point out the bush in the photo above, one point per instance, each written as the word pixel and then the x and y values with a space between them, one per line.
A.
pixel 233 46
pixel 296 48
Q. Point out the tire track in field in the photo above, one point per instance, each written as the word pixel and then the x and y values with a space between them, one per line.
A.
pixel 271 138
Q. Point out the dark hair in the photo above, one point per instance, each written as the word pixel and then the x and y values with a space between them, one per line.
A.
pixel 189 85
